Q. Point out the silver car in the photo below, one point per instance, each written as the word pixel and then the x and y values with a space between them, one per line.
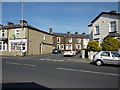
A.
pixel 106 57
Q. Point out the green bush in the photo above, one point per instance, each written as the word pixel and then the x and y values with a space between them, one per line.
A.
pixel 93 46
pixel 110 44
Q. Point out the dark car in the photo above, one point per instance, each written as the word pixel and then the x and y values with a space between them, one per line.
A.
pixel 56 51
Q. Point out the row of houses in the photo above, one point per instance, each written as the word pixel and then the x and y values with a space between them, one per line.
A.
pixel 24 39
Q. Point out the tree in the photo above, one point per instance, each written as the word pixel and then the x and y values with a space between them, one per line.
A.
pixel 93 46
pixel 110 44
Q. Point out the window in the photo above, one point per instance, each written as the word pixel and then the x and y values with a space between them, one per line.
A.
pixel 115 54
pixel 2 33
pixel 62 46
pixel 43 36
pixel 58 39
pixel 105 54
pixel 97 30
pixel 79 40
pixel 3 46
pixel 58 46
pixel 113 26
pixel 79 46
pixel 70 39
pixel 17 32
pixel 18 45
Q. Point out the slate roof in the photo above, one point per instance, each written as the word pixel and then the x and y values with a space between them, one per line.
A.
pixel 20 26
pixel 104 13
pixel 71 35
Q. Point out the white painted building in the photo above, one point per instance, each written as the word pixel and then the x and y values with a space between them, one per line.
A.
pixel 104 24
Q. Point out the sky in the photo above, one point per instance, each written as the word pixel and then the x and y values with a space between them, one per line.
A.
pixel 61 16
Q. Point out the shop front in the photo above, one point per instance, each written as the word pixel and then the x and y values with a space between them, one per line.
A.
pixel 19 46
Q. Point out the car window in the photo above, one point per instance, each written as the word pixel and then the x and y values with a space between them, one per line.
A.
pixel 115 54
pixel 105 54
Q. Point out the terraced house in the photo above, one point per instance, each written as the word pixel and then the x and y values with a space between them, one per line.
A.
pixel 23 39
pixel 65 41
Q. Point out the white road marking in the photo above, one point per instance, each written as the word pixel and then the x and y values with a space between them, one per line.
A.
pixel 20 64
pixel 51 60
pixel 88 71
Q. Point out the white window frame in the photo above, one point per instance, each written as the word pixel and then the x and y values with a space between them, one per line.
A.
pixel 58 45
pixel 110 26
pixel 17 33
pixel 44 36
pixel 70 40
pixel 62 46
pixel 57 39
pixel 3 46
pixel 20 45
pixel 2 33
pixel 97 28
pixel 79 45
pixel 79 40
pixel 70 46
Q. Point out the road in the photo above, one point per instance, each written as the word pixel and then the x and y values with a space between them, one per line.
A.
pixel 55 71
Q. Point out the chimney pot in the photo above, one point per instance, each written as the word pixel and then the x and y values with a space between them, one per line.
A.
pixel 68 33
pixel 76 32
pixel 50 30
pixel 10 23
pixel 23 22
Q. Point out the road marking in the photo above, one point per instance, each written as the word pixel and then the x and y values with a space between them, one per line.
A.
pixel 20 64
pixel 51 60
pixel 88 71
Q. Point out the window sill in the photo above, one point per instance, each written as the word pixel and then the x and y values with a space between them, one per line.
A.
pixel 97 34
pixel 113 32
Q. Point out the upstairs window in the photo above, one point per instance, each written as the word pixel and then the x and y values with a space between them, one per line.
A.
pixel 113 26
pixel 17 32
pixel 58 39
pixel 2 33
pixel 70 40
pixel 97 30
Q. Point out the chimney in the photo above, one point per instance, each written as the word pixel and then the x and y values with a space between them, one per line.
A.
pixel 83 34
pixel 68 33
pixel 113 11
pixel 76 33
pixel 23 22
pixel 50 30
pixel 10 24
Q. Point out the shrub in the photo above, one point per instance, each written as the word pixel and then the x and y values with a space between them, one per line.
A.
pixel 110 44
pixel 93 46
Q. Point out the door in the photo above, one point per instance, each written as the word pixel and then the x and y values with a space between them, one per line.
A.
pixel 107 57
pixel 116 58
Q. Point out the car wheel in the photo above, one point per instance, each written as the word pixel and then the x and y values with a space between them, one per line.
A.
pixel 99 63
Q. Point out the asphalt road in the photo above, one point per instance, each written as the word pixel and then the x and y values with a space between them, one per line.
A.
pixel 52 71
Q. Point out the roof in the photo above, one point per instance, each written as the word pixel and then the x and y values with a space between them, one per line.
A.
pixel 71 35
pixel 104 13
pixel 20 26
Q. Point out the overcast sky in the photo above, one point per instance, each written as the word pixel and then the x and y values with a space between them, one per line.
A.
pixel 61 16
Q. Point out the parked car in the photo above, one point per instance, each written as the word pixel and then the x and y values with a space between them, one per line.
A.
pixel 56 51
pixel 76 50
pixel 69 53
pixel 106 57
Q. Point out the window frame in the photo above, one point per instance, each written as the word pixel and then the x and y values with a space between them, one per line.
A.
pixel 97 30
pixel 113 25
